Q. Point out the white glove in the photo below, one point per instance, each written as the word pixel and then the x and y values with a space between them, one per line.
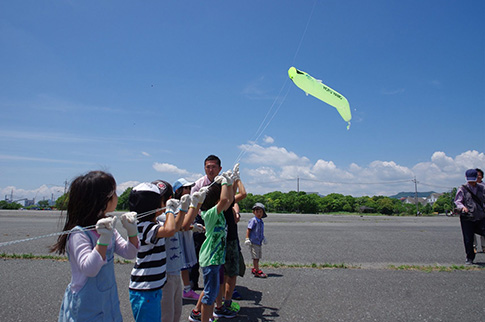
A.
pixel 172 206
pixel 227 178
pixel 247 242
pixel 198 228
pixel 129 222
pixel 184 203
pixel 235 172
pixel 198 197
pixel 162 218
pixel 105 228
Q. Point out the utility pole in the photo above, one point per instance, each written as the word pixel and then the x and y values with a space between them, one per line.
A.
pixel 297 184
pixel 416 195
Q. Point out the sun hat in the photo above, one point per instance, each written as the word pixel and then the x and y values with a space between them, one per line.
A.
pixel 471 175
pixel 260 205
pixel 181 183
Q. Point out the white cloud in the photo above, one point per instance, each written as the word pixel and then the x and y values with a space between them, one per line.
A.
pixel 271 168
pixel 43 192
pixel 169 168
pixel 146 154
pixel 121 187
pixel 271 155
pixel 268 139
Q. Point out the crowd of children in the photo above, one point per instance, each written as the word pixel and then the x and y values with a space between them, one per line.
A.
pixel 161 226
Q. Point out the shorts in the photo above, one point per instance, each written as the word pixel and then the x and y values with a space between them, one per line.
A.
pixel 231 267
pixel 211 284
pixel 146 305
pixel 256 251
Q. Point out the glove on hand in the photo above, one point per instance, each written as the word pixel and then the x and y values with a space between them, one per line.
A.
pixel 198 197
pixel 227 178
pixel 235 172
pixel 184 203
pixel 129 222
pixel 247 242
pixel 198 228
pixel 172 206
pixel 265 241
pixel 218 179
pixel 105 228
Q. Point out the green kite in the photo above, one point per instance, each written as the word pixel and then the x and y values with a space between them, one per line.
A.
pixel 319 90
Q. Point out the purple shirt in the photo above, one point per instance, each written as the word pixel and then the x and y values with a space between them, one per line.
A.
pixel 256 235
pixel 87 262
pixel 460 195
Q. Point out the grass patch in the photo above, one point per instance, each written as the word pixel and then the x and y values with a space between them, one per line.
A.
pixel 51 257
pixel 312 265
pixel 436 268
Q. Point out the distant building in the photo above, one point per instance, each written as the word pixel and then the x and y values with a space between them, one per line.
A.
pixel 433 197
pixel 412 200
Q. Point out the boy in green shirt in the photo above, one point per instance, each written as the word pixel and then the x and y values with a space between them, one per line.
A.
pixel 213 251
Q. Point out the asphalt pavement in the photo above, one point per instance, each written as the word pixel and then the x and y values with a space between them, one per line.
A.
pixel 369 289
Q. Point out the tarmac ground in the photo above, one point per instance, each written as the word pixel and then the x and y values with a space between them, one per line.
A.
pixel 378 268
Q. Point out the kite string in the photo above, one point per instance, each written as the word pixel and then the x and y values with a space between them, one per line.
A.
pixel 261 129
pixel 67 232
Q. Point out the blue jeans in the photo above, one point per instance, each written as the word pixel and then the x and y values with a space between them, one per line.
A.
pixel 211 284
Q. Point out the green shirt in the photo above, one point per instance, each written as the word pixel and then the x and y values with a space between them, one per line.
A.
pixel 213 250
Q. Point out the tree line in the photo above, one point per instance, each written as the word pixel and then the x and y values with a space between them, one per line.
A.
pixel 301 202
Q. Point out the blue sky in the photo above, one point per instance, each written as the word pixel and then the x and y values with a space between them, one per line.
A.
pixel 146 90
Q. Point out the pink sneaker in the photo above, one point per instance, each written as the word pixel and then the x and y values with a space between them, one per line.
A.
pixel 190 295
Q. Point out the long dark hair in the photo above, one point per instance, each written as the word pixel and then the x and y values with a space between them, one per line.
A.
pixel 88 198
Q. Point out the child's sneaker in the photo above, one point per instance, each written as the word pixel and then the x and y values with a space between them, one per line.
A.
pixel 195 316
pixel 190 295
pixel 260 274
pixel 234 307
pixel 253 271
pixel 224 312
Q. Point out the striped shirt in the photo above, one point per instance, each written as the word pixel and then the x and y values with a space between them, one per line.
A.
pixel 149 272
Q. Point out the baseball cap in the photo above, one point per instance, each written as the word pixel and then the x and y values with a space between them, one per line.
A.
pixel 260 205
pixel 145 197
pixel 181 183
pixel 471 175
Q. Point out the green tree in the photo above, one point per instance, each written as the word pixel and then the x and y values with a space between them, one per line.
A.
pixel 43 204
pixel 385 206
pixel 445 202
pixel 61 202
pixel 123 200
pixel 9 205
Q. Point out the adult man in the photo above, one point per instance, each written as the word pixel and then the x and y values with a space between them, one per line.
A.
pixel 212 167
pixel 470 199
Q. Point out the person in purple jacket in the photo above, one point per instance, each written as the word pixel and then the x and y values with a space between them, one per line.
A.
pixel 470 199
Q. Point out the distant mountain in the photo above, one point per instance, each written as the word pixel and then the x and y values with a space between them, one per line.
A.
pixel 411 194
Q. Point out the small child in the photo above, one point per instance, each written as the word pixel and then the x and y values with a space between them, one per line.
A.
pixel 148 276
pixel 255 237
pixel 181 188
pixel 172 291
pixel 213 251
pixel 92 293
